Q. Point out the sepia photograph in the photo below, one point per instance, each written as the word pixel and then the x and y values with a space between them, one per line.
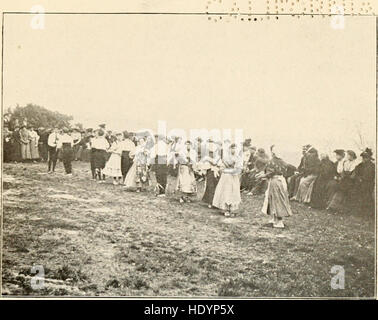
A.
pixel 218 149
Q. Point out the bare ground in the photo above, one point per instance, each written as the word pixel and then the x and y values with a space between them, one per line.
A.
pixel 99 240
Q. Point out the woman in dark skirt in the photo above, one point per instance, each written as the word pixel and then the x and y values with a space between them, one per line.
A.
pixel 319 192
pixel 211 164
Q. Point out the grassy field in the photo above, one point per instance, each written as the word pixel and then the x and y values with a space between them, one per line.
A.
pixel 99 240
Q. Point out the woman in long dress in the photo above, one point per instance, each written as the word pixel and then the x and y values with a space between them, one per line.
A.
pixel 276 202
pixel 34 139
pixel 186 181
pixel 227 193
pixel 138 175
pixel 319 192
pixel 345 186
pixel 113 165
pixel 311 171
pixel 25 143
pixel 211 165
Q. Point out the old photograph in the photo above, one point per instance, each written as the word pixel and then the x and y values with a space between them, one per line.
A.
pixel 218 153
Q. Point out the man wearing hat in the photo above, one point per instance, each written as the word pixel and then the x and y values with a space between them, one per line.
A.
pixel 65 143
pixel 42 143
pixel 161 164
pixel 52 144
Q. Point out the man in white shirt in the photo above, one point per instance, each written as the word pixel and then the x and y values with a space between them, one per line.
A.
pixel 52 144
pixel 99 157
pixel 161 167
pixel 127 147
pixel 65 143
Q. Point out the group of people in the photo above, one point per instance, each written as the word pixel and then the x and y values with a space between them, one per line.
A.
pixel 345 185
pixel 228 169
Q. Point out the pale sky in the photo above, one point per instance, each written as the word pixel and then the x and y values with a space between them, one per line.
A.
pixel 288 82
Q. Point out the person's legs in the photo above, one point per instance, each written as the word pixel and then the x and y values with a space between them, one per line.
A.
pixel 52 155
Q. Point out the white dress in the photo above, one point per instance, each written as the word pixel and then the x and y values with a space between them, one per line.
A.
pixel 113 165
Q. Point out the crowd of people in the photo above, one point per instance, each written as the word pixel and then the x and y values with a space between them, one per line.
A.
pixel 228 169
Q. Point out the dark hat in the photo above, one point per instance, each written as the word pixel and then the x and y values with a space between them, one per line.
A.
pixel 102 125
pixel 367 154
pixel 339 152
pixel 233 145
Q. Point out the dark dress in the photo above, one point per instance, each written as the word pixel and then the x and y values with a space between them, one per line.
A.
pixel 319 197
pixel 363 193
pixel 16 146
pixel 211 184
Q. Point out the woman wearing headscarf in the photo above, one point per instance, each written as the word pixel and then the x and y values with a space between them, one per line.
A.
pixel 327 171
pixel 345 183
pixel 276 202
pixel 138 175
pixel 311 171
pixel 227 193
pixel 186 181
pixel 211 165
pixel 364 184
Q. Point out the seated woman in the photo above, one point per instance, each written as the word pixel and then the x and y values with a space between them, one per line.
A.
pixel 311 171
pixel 257 180
pixel 227 193
pixel 319 192
pixel 345 183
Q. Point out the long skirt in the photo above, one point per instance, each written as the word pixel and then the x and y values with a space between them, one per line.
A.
pixel 161 173
pixel 227 192
pixel 126 163
pixel 319 197
pixel 34 153
pixel 304 192
pixel 25 151
pixel 16 151
pixel 211 184
pixel 276 200
pixel 137 177
pixel 186 182
pixel 113 166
